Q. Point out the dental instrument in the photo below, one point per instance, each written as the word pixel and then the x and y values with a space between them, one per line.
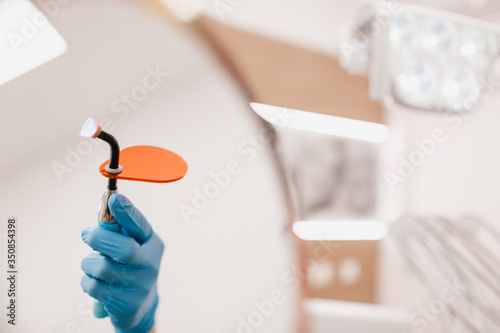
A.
pixel 140 163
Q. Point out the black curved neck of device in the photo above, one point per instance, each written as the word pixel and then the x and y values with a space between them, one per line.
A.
pixel 115 155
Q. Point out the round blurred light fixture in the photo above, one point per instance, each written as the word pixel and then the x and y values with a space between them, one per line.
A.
pixel 438 37
pixel 459 88
pixel 402 31
pixel 478 46
pixel 428 59
pixel 415 84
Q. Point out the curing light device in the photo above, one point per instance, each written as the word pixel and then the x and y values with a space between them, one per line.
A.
pixel 138 163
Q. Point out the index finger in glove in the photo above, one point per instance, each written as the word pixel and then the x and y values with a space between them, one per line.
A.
pixel 120 248
pixel 130 218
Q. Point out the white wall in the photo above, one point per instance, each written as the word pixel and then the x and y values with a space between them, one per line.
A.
pixel 233 253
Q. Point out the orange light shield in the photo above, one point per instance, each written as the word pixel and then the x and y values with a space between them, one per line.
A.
pixel 148 164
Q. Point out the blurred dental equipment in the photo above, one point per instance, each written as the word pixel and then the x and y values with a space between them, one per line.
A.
pixel 455 256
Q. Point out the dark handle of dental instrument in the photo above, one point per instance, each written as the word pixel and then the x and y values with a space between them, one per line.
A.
pixel 114 158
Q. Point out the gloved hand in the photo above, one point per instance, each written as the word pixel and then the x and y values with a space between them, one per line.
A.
pixel 122 274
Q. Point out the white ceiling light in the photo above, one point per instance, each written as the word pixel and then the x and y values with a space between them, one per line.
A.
pixel 321 123
pixel 478 46
pixel 28 39
pixel 423 58
pixel 459 88
pixel 403 28
pixel 415 84
pixel 437 38
pixel 339 230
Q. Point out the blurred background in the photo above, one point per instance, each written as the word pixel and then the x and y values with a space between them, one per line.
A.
pixel 366 184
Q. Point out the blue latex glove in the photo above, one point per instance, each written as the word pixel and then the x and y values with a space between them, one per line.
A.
pixel 122 275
